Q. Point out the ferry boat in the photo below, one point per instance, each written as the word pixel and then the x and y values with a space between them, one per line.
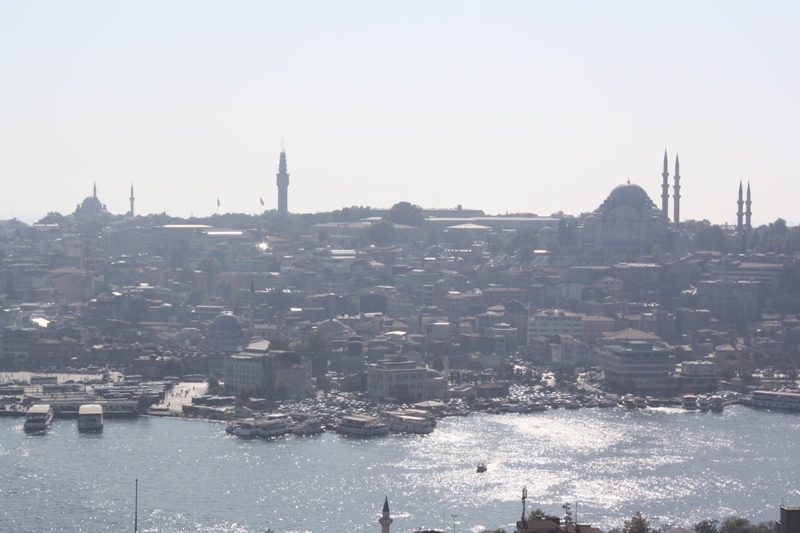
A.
pixel 362 425
pixel 703 403
pixel 716 403
pixel 774 400
pixel 259 427
pixel 90 417
pixel 38 417
pixel 410 424
pixel 273 427
pixel 312 426
pixel 689 402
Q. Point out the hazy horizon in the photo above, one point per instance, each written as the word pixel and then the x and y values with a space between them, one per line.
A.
pixel 505 107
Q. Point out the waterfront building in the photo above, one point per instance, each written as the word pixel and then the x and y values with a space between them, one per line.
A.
pixel 399 378
pixel 699 376
pixel 638 366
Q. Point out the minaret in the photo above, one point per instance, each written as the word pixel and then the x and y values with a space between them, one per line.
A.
pixel 94 190
pixel 132 199
pixel 665 193
pixel 676 192
pixel 283 186
pixel 748 213
pixel 740 212
pixel 385 520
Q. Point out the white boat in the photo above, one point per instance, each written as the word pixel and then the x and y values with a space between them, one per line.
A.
pixel 362 425
pixel 703 403
pixel 410 424
pixel 90 417
pixel 774 400
pixel 481 468
pixel 38 417
pixel 689 402
pixel 242 428
pixel 311 426
pixel 269 426
pixel 272 427
pixel 717 405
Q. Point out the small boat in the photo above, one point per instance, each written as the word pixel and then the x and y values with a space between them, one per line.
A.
pixel 38 417
pixel 90 417
pixel 481 468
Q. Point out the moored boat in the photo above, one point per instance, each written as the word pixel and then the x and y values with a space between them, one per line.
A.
pixel 689 402
pixel 90 417
pixel 39 417
pixel 361 425
pixel 312 426
pixel 410 424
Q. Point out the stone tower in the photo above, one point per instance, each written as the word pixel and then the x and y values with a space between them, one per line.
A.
pixel 385 520
pixel 283 186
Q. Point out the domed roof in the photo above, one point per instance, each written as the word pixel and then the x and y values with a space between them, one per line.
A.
pixel 628 192
pixel 545 231
pixel 226 322
pixel 333 328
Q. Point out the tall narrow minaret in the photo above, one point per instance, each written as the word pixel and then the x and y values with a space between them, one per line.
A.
pixel 748 212
pixel 740 213
pixel 665 193
pixel 94 190
pixel 133 214
pixel 385 520
pixel 283 186
pixel 676 192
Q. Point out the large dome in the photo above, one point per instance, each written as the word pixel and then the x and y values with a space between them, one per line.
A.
pixel 226 322
pixel 628 192
pixel 333 328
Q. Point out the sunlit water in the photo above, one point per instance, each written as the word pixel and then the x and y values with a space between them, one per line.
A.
pixel 675 466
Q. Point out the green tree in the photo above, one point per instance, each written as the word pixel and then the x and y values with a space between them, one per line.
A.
pixel 317 349
pixel 707 526
pixel 406 213
pixel 173 366
pixel 213 383
pixel 53 217
pixel 382 233
pixel 637 524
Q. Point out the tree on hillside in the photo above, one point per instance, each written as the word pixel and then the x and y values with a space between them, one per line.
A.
pixel 382 233
pixel 317 349
pixel 406 213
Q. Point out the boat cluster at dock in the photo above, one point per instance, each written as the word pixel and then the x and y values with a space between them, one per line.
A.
pixel 39 417
pixel 358 417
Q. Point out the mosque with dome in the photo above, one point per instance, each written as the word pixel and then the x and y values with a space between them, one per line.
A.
pixel 628 221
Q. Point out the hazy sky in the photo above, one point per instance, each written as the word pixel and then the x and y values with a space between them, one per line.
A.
pixel 501 106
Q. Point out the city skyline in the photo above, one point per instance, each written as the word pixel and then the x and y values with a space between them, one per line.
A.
pixel 509 108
